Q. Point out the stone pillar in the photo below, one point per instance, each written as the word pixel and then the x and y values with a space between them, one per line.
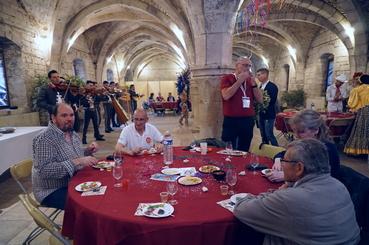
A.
pixel 213 35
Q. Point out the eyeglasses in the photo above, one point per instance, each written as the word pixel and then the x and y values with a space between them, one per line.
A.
pixel 289 161
pixel 139 119
pixel 247 65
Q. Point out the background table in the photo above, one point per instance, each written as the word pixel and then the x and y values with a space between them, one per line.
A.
pixel 109 219
pixel 17 146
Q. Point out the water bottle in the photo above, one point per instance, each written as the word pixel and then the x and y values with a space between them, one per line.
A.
pixel 168 148
pixel 312 106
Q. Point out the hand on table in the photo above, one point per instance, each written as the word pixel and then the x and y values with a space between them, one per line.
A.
pixel 158 148
pixel 276 176
pixel 85 161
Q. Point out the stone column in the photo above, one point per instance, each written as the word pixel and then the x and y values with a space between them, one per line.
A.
pixel 213 35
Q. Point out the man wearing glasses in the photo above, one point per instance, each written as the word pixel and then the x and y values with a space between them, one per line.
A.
pixel 139 137
pixel 313 208
pixel 239 90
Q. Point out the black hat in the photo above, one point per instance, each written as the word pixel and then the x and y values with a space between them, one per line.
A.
pixel 364 79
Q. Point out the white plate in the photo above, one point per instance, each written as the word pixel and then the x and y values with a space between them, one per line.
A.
pixel 88 186
pixel 233 153
pixel 189 180
pixel 266 171
pixel 208 169
pixel 171 171
pixel 103 165
pixel 236 197
pixel 159 210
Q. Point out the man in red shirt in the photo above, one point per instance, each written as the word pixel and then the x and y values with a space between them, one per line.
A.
pixel 239 90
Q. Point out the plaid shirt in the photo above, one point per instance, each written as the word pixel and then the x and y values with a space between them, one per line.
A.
pixel 52 161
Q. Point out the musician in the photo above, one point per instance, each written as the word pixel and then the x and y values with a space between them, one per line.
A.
pixel 73 98
pixel 133 96
pixel 114 92
pixel 51 94
pixel 107 108
pixel 90 102
pixel 139 137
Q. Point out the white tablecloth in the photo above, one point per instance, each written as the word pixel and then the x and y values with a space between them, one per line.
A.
pixel 17 146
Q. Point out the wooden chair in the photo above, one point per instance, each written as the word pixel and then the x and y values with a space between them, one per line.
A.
pixel 21 171
pixel 42 220
pixel 266 150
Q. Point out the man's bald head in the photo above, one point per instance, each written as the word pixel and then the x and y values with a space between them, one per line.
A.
pixel 140 118
pixel 140 112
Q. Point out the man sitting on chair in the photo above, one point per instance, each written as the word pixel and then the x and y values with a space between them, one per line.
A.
pixel 57 155
pixel 139 136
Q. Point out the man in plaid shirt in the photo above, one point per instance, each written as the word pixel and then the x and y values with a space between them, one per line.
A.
pixel 57 155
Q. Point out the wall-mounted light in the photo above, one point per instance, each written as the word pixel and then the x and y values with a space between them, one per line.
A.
pixel 349 31
pixel 292 52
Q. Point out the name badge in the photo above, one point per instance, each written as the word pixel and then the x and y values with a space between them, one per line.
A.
pixel 245 102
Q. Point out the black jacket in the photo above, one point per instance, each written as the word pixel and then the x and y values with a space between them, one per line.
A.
pixel 47 98
pixel 272 91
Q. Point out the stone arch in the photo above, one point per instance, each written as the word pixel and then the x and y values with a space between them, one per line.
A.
pixel 12 54
pixel 79 68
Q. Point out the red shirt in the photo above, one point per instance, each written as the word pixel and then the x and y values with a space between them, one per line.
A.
pixel 233 106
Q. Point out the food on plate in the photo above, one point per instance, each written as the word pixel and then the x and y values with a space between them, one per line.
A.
pixel 189 180
pixel 103 164
pixel 88 186
pixel 208 169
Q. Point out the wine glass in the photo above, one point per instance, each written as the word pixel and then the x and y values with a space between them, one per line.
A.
pixel 254 163
pixel 172 189
pixel 231 179
pixel 118 174
pixel 118 158
pixel 229 148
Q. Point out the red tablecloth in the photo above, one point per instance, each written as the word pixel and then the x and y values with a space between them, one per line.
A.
pixel 328 117
pixel 164 105
pixel 109 219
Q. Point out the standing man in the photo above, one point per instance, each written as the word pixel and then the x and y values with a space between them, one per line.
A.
pixel 57 155
pixel 239 90
pixel 50 94
pixel 267 116
pixel 134 97
pixel 335 94
pixel 107 107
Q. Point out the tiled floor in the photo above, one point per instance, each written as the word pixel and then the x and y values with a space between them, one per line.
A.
pixel 16 224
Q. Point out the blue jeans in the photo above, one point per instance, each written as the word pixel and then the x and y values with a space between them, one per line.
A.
pixel 266 131
pixel 56 199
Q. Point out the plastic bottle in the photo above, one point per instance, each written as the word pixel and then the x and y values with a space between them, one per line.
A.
pixel 168 148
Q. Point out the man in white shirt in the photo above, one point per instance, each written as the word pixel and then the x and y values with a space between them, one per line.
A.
pixel 140 136
pixel 335 94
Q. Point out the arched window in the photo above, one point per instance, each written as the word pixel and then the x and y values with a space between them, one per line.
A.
pixel 4 91
pixel 327 68
pixel 287 72
pixel 109 75
pixel 79 69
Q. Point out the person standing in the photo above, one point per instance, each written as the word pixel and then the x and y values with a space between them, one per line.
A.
pixel 239 90
pixel 267 116
pixel 134 97
pixel 107 108
pixel 335 94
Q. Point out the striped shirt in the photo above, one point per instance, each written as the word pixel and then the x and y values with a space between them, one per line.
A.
pixel 52 160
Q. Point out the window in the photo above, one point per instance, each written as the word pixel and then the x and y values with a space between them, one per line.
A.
pixel 4 92
pixel 79 69
pixel 109 75
pixel 329 74
pixel 327 62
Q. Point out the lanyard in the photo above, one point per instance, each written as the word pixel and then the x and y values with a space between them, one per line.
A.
pixel 243 86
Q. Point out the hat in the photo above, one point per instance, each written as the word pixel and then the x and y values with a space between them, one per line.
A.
pixel 243 61
pixel 364 79
pixel 342 78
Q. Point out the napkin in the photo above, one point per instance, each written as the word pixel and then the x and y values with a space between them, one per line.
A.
pixel 100 191
pixel 164 177
pixel 142 206
pixel 227 204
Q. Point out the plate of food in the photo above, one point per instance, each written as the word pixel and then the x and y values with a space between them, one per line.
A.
pixel 233 153
pixel 237 197
pixel 266 171
pixel 159 210
pixel 208 169
pixel 103 165
pixel 189 180
pixel 171 171
pixel 88 186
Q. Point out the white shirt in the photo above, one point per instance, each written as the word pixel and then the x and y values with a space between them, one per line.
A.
pixel 334 106
pixel 131 139
pixel 263 85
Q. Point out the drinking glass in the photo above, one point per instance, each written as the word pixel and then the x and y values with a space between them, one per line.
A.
pixel 229 148
pixel 231 179
pixel 254 163
pixel 118 158
pixel 172 189
pixel 118 174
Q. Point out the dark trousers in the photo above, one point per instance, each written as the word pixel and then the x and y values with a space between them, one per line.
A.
pixel 133 106
pixel 77 123
pixel 91 114
pixel 238 130
pixel 266 131
pixel 56 199
pixel 113 117
pixel 108 115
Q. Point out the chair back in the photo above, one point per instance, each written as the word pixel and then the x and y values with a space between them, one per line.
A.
pixel 358 187
pixel 20 171
pixel 266 150
pixel 41 219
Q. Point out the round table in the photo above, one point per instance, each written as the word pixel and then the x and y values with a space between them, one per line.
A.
pixel 110 219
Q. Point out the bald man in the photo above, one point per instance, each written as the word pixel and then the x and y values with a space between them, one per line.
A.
pixel 139 136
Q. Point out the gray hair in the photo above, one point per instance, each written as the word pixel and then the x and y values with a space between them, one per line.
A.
pixel 312 120
pixel 312 153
